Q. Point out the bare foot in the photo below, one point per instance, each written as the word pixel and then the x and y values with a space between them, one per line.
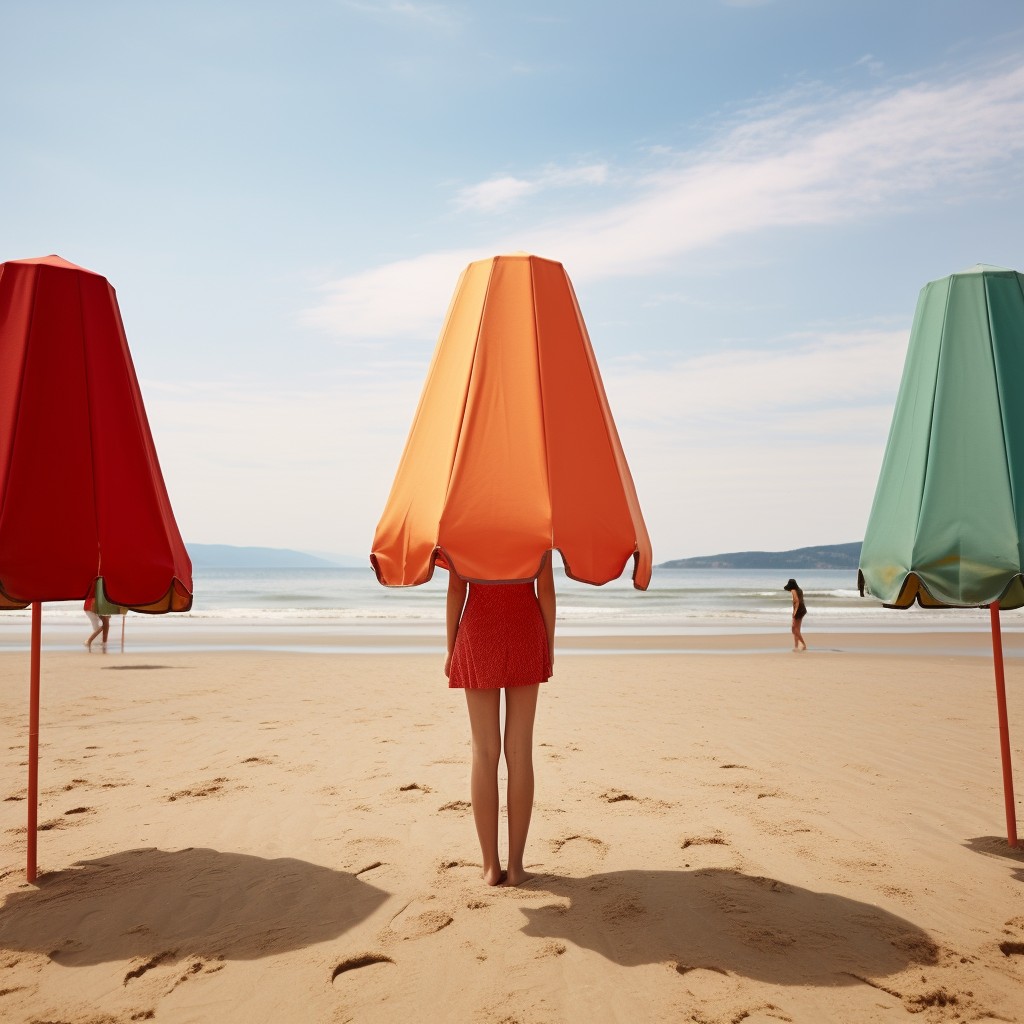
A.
pixel 494 877
pixel 517 878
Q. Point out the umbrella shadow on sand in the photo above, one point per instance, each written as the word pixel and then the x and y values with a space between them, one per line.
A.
pixel 997 846
pixel 169 905
pixel 731 923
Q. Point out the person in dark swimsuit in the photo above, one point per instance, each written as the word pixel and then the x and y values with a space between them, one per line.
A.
pixel 799 611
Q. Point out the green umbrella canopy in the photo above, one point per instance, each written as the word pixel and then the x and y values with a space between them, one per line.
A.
pixel 947 521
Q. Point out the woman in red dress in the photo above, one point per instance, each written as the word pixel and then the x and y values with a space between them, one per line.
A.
pixel 501 638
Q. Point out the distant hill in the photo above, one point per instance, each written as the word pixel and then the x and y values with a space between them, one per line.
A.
pixel 226 556
pixel 828 556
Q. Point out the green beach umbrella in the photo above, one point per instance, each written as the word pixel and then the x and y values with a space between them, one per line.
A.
pixel 946 529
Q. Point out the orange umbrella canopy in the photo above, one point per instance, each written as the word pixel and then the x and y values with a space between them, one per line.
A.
pixel 81 493
pixel 513 450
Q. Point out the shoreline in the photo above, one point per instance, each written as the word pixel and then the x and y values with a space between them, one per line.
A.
pixel 144 636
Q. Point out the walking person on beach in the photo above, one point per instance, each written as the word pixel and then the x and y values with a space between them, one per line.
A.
pixel 100 623
pixel 799 611
pixel 501 638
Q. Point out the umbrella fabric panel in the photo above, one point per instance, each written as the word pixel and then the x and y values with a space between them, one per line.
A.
pixel 966 541
pixel 48 533
pixel 82 494
pixel 597 522
pixel 140 547
pixel 887 551
pixel 945 526
pixel 496 523
pixel 406 539
pixel 1005 298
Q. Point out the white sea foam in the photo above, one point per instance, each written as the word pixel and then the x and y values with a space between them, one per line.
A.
pixel 682 601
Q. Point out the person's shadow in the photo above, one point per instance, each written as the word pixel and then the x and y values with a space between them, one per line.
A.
pixel 169 905
pixel 728 922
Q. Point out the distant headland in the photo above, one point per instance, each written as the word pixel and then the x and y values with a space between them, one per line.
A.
pixel 828 556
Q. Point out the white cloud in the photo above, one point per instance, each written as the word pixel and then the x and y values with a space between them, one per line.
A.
pixel 775 390
pixel 415 15
pixel 871 63
pixel 799 163
pixel 498 193
pixel 494 193
pixel 402 298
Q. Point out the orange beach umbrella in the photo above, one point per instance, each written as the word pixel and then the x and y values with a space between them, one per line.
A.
pixel 82 499
pixel 513 450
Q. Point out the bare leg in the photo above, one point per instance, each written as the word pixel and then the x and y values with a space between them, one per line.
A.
pixel 520 711
pixel 92 636
pixel 484 707
pixel 798 634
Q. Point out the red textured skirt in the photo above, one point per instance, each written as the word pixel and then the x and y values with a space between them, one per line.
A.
pixel 502 640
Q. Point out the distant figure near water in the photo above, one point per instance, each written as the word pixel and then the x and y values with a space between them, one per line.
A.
pixel 799 611
pixel 100 623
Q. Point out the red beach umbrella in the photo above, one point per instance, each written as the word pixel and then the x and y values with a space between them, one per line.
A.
pixel 513 450
pixel 82 498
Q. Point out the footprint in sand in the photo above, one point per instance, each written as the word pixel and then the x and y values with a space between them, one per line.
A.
pixel 197 965
pixel 353 963
pixel 456 805
pixel 207 789
pixel 52 825
pixel 616 796
pixel 369 867
pixel 580 852
pixel 147 965
pixel 414 922
pixel 550 949
pixel 715 839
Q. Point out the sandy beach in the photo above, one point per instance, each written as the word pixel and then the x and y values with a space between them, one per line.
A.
pixel 730 834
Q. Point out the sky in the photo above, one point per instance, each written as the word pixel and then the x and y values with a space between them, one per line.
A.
pixel 748 196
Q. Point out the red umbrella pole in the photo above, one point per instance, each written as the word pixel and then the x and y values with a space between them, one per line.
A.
pixel 1004 728
pixel 33 742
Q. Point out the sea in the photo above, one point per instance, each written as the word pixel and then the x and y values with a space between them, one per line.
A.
pixel 349 602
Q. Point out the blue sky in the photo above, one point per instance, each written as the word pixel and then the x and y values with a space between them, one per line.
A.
pixel 747 195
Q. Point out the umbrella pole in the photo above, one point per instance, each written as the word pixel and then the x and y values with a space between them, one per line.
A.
pixel 1004 728
pixel 124 615
pixel 33 742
